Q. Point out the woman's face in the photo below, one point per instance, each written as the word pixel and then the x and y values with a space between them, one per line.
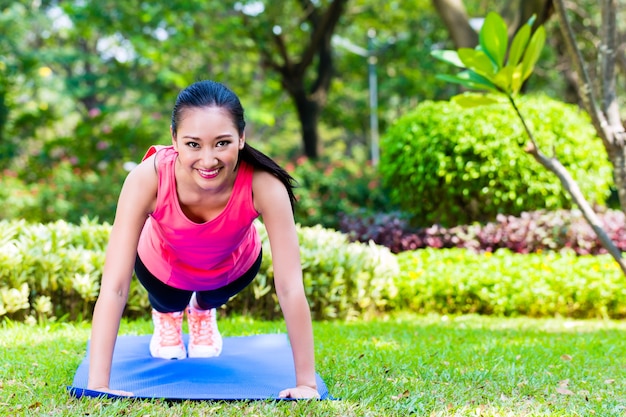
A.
pixel 208 147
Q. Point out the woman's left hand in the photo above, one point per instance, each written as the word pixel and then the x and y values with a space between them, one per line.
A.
pixel 300 392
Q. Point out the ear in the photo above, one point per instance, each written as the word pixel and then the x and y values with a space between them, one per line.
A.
pixel 174 142
pixel 242 141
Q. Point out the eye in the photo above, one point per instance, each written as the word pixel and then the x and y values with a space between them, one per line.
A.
pixel 194 145
pixel 222 143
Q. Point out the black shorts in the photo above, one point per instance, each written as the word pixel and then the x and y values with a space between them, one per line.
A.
pixel 167 299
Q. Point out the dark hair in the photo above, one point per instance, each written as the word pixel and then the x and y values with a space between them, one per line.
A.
pixel 213 94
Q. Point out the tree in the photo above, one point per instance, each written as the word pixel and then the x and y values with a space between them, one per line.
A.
pixel 22 78
pixel 493 66
pixel 305 65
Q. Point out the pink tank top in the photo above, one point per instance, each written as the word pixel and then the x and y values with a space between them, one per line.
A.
pixel 198 256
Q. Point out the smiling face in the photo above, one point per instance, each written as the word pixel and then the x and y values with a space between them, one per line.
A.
pixel 208 144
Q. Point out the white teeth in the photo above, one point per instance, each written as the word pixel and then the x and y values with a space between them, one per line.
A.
pixel 207 173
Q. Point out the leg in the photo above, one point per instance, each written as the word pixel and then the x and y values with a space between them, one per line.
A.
pixel 168 304
pixel 204 337
pixel 206 300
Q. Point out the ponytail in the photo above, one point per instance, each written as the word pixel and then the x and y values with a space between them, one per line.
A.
pixel 263 162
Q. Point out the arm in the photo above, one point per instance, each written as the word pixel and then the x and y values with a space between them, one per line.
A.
pixel 136 201
pixel 272 201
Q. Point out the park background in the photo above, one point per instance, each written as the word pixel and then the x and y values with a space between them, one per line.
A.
pixel 328 87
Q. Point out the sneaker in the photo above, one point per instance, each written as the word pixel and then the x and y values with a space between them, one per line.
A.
pixel 205 340
pixel 167 340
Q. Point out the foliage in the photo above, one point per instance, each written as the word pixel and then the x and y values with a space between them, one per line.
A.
pixel 492 65
pixel 54 270
pixel 458 281
pixel 531 232
pixel 449 165
pixel 24 111
pixel 328 188
pixel 66 192
pixel 405 73
pixel 62 263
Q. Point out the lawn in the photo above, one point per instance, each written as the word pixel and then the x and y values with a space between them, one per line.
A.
pixel 393 366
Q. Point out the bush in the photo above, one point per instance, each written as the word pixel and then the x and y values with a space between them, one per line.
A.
pixel 66 193
pixel 55 270
pixel 447 165
pixel 530 232
pixel 326 189
pixel 458 281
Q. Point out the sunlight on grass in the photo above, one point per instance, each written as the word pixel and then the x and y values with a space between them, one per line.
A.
pixel 392 366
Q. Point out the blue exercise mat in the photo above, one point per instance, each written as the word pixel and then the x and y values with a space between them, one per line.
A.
pixel 249 368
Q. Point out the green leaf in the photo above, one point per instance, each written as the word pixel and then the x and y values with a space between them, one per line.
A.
pixel 533 52
pixel 504 78
pixel 493 38
pixel 519 45
pixel 449 56
pixel 477 61
pixel 470 80
pixel 517 79
pixel 473 100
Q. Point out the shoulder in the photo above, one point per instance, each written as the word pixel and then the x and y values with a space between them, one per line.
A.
pixel 141 184
pixel 268 192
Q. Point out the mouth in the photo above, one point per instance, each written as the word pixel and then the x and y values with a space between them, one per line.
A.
pixel 208 174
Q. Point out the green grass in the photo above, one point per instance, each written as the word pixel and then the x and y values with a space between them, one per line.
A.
pixel 394 366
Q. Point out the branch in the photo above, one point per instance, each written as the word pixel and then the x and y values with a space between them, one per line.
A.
pixel 287 66
pixel 266 55
pixel 585 87
pixel 322 30
pixel 572 188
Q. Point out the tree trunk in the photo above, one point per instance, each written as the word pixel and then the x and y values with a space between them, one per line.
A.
pixel 316 58
pixel 454 16
pixel 517 13
pixel 308 113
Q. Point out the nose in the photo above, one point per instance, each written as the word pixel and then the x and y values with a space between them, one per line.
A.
pixel 208 157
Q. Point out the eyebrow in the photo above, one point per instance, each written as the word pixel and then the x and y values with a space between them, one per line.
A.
pixel 219 137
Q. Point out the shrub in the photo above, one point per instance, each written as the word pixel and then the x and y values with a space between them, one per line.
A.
pixel 451 166
pixel 56 268
pixel 458 281
pixel 530 232
pixel 66 193
pixel 326 189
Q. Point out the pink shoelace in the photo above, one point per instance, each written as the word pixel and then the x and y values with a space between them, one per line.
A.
pixel 169 329
pixel 202 327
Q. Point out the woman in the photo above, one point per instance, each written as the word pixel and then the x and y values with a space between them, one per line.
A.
pixel 184 221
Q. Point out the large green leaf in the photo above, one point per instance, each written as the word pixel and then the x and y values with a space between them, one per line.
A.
pixel 533 52
pixel 477 61
pixel 503 79
pixel 517 79
pixel 518 46
pixel 493 38
pixel 470 80
pixel 449 56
